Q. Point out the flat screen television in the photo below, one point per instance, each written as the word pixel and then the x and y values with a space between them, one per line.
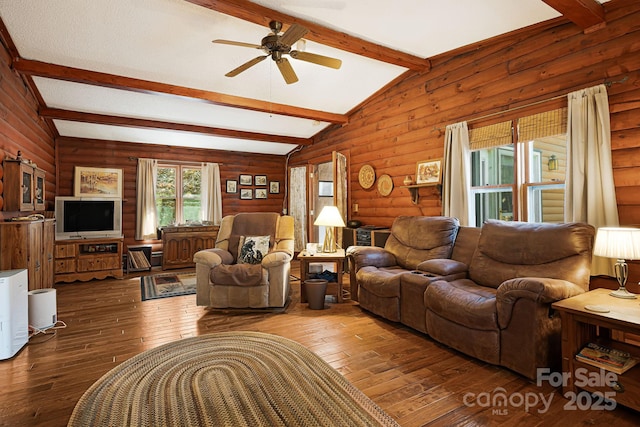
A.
pixel 85 217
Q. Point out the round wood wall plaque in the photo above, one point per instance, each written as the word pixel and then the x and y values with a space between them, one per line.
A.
pixel 366 176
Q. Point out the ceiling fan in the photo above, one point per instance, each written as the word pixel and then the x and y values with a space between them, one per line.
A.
pixel 276 45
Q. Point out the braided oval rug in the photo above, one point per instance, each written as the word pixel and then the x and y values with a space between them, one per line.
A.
pixel 226 379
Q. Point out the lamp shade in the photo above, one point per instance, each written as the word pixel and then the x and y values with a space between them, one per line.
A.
pixel 618 242
pixel 329 217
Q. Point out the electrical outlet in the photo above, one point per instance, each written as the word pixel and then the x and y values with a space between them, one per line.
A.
pixel 355 208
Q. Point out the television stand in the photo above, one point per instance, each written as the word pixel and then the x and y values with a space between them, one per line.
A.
pixel 87 259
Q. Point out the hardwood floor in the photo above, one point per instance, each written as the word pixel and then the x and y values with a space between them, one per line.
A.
pixel 414 379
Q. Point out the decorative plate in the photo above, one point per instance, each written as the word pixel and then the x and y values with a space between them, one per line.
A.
pixel 385 185
pixel 367 176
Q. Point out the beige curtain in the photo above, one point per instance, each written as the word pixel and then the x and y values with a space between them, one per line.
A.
pixel 340 187
pixel 590 190
pixel 211 193
pixel 297 189
pixel 457 173
pixel 146 215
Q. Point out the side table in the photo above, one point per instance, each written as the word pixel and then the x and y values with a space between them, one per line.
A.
pixel 581 326
pixel 322 257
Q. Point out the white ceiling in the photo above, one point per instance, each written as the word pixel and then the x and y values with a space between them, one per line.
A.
pixel 169 41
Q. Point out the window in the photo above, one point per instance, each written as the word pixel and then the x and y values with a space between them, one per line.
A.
pixel 519 175
pixel 178 194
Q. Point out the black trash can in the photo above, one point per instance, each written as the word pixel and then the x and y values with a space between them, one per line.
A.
pixel 315 290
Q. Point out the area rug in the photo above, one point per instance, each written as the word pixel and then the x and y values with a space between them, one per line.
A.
pixel 167 285
pixel 226 379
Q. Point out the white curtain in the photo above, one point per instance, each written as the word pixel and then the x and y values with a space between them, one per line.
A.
pixel 146 215
pixel 340 186
pixel 457 173
pixel 211 193
pixel 590 190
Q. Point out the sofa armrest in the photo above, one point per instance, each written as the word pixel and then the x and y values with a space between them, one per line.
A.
pixel 213 257
pixel 364 256
pixel 443 267
pixel 541 290
pixel 276 259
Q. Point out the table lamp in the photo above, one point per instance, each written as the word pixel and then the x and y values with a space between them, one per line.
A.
pixel 329 217
pixel 620 243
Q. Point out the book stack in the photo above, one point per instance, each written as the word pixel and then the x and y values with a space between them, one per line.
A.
pixel 606 358
pixel 139 260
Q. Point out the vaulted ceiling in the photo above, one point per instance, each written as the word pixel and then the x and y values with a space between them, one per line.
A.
pixel 147 70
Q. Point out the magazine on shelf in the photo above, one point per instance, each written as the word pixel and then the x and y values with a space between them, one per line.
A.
pixel 607 358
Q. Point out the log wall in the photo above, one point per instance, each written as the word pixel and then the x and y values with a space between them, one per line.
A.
pixel 73 152
pixel 405 123
pixel 22 129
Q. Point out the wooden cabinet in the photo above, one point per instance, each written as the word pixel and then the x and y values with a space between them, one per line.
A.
pixel 179 244
pixel 87 259
pixel 365 236
pixel 23 186
pixel 30 245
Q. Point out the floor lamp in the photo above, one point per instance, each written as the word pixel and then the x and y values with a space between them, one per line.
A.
pixel 329 217
pixel 620 243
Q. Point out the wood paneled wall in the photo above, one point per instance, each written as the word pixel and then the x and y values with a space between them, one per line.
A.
pixel 405 123
pixel 22 129
pixel 73 152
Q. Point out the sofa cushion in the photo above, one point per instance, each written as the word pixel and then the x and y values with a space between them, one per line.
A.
pixel 382 282
pixel 251 249
pixel 463 302
pixel 507 250
pixel 414 239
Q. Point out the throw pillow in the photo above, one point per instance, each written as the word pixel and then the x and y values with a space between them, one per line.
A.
pixel 252 249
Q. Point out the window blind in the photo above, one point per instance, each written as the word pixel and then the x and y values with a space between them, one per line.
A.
pixel 490 136
pixel 548 123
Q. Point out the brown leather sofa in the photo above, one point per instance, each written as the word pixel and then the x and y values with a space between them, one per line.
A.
pixel 491 298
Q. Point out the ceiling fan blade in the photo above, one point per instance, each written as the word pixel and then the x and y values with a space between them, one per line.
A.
pixel 316 59
pixel 246 66
pixel 233 43
pixel 294 33
pixel 287 71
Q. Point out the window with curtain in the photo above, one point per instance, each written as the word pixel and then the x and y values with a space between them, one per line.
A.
pixel 519 175
pixel 178 194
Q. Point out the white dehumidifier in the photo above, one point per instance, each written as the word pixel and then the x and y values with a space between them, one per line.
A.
pixel 14 317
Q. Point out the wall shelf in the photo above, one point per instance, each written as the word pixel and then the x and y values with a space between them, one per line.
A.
pixel 414 189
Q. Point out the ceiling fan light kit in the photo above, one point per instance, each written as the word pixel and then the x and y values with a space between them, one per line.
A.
pixel 276 45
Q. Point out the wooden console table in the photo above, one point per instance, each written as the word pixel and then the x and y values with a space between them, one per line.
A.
pixel 180 243
pixel 581 326
pixel 322 257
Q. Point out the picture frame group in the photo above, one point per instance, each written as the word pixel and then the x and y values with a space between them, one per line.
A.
pixel 271 187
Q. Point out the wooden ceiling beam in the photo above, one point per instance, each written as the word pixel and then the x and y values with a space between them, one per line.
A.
pixel 261 15
pixel 77 116
pixel 59 72
pixel 586 14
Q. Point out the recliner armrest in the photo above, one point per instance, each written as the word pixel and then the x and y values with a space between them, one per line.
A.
pixel 213 257
pixel 542 290
pixel 442 267
pixel 363 256
pixel 275 259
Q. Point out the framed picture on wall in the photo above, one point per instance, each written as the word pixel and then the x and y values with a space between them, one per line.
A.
pixel 246 194
pixel 246 180
pixel 261 193
pixel 429 172
pixel 97 182
pixel 232 186
pixel 274 187
pixel 260 180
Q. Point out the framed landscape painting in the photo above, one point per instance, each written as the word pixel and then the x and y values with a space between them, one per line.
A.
pixel 97 182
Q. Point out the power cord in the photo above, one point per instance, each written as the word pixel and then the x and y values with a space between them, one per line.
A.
pixel 33 331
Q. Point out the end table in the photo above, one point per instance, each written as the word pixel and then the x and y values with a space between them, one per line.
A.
pixel 337 258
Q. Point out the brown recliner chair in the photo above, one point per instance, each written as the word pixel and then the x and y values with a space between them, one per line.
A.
pixel 237 273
